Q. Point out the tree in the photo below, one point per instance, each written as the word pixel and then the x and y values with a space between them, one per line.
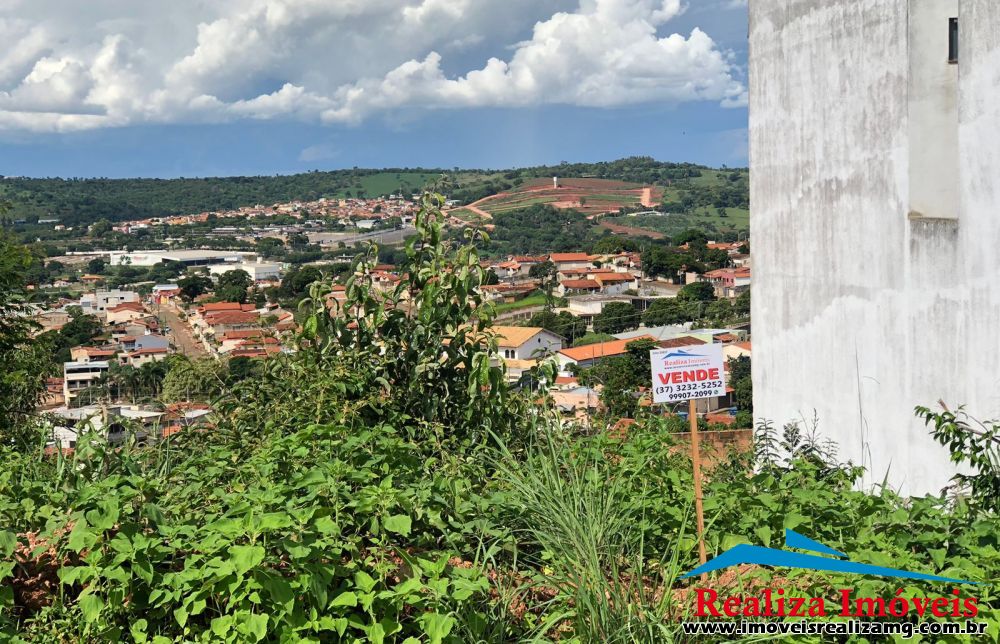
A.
pixel 593 338
pixel 100 228
pixel 188 379
pixel 719 312
pixel 241 368
pixel 233 286
pixel 194 285
pixel 298 241
pixel 741 306
pixel 697 292
pixel 81 329
pixel 614 244
pixel 542 270
pixel 666 311
pixel 297 280
pixel 563 323
pixel 620 378
pixel 96 266
pixel 616 318
pixel 742 383
pixel 24 360
pixel 270 247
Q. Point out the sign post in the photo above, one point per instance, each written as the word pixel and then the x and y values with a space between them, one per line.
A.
pixel 689 373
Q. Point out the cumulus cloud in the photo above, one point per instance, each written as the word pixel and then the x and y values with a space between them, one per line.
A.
pixel 345 61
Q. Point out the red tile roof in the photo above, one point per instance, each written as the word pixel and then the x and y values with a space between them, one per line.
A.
pixel 615 277
pixel 569 257
pixel 601 349
pixel 581 284
pixel 127 306
pixel 242 333
pixel 231 317
pixel 683 341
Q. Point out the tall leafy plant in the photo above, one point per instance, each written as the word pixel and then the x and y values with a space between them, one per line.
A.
pixel 424 345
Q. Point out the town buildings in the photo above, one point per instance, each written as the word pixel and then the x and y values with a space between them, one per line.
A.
pixel 874 130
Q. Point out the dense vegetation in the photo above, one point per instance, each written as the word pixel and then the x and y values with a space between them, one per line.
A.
pixel 385 484
pixel 84 201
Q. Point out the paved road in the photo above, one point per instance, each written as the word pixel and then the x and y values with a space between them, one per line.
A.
pixel 180 333
pixel 378 236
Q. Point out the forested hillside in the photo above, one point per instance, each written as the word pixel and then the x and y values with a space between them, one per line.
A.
pixel 84 201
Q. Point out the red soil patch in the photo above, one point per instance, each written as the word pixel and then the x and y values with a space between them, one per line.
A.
pixel 632 232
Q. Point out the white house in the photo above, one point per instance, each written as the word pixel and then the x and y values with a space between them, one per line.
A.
pixel 100 301
pixel 526 342
pixel 79 375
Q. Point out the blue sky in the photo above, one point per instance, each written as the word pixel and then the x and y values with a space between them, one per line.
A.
pixel 117 89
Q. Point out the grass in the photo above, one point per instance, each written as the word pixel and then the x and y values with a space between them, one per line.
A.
pixel 467 215
pixel 581 515
pixel 537 299
pixel 705 218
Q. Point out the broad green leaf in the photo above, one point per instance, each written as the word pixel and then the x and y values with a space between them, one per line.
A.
pixel 257 626
pixel 436 626
pixel 181 615
pixel 398 523
pixel 280 590
pixel 363 581
pixel 244 558
pixel 80 537
pixel 793 520
pixel 328 525
pixel 222 625
pixel 138 631
pixel 91 606
pixel 8 541
pixel 345 599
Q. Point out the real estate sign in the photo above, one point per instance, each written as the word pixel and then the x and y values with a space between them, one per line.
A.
pixel 686 373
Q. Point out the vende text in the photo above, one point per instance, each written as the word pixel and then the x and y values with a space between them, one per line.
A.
pixel 694 375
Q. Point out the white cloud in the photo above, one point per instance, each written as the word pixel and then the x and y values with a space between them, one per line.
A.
pixel 344 61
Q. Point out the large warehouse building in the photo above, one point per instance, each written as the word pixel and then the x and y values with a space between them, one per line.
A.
pixel 875 194
pixel 187 257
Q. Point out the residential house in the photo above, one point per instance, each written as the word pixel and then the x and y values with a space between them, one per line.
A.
pixel 563 261
pixel 219 322
pixel 125 312
pixel 98 302
pixel 507 292
pixel 164 293
pixel 728 282
pixel 591 354
pixel 139 357
pixel 578 287
pixel 51 320
pixel 81 374
pixel 526 342
pixel 137 342
pixel 736 350
pixel 85 354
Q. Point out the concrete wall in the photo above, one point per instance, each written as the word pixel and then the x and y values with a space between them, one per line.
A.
pixel 861 312
pixel 933 111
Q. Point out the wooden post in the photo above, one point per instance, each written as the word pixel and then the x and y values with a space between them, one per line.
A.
pixel 696 464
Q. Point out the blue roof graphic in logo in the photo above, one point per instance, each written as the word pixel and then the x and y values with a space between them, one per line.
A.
pixel 747 554
pixel 681 353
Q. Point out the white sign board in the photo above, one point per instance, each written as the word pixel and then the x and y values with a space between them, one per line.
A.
pixel 685 373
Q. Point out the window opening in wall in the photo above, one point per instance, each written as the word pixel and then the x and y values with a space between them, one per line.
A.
pixel 952 40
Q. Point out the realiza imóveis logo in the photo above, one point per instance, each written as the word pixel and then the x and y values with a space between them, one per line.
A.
pixel 747 554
